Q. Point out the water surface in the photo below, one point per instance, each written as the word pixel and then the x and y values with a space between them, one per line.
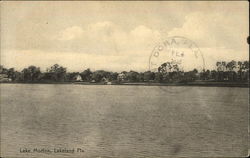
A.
pixel 124 121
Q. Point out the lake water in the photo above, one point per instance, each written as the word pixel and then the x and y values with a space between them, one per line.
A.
pixel 123 121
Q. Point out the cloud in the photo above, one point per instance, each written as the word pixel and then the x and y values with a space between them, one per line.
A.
pixel 72 60
pixel 102 42
pixel 70 33
pixel 106 38
pixel 101 45
pixel 219 36
pixel 105 45
pixel 214 30
pixel 107 32
pixel 144 32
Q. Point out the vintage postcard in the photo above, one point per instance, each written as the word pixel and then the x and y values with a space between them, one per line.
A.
pixel 124 79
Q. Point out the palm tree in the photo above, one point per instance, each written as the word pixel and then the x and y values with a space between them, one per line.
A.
pixel 230 67
pixel 218 64
pixel 240 67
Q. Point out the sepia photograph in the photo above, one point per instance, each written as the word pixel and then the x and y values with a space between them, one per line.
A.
pixel 124 79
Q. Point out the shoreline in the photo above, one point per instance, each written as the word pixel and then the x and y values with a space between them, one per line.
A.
pixel 197 84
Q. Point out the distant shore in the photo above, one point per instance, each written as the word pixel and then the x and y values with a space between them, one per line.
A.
pixel 205 84
pixel 196 83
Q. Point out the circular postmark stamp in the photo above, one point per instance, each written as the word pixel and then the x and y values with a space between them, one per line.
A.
pixel 176 62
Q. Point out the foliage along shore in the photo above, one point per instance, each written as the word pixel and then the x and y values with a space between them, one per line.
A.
pixel 231 74
pixel 194 83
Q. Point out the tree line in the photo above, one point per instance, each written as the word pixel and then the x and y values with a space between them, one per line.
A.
pixel 168 72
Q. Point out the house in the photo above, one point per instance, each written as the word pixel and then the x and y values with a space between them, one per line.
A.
pixel 4 78
pixel 105 80
pixel 109 83
pixel 77 78
pixel 121 76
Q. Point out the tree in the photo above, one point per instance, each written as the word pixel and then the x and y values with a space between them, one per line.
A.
pixel 165 67
pixel 246 70
pixel 231 75
pixel 18 76
pixel 214 75
pixel 231 65
pixel 240 68
pixel 221 66
pixel 113 76
pixel 57 73
pixel 158 77
pixel 86 75
pixel 195 71
pixel 141 77
pixel 100 74
pixel 207 75
pixel 148 75
pixel 133 76
pixel 31 73
pixel 3 70
pixel 170 71
pixel 70 76
pixel 246 65
pixel 193 74
pixel 11 73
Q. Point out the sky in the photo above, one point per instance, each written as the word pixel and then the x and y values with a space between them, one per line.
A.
pixel 118 36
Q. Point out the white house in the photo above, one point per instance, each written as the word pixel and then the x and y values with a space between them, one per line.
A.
pixel 121 76
pixel 78 78
pixel 4 78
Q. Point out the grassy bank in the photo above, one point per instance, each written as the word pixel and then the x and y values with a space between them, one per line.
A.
pixel 205 84
pixel 195 83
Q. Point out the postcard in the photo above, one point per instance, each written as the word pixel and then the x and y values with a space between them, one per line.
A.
pixel 124 79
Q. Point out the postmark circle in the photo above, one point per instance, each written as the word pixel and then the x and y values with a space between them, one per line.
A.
pixel 176 61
